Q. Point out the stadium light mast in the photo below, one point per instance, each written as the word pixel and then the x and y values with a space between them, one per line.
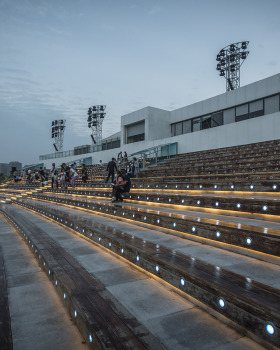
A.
pixel 95 119
pixel 58 127
pixel 230 59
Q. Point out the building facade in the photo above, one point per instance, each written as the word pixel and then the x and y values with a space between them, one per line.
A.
pixel 248 114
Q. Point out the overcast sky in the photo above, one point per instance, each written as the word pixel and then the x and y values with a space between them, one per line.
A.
pixel 59 57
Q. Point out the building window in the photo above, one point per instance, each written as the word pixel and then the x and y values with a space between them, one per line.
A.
pixel 136 138
pixel 217 119
pixel 271 104
pixel 229 116
pixel 187 126
pixel 135 132
pixel 196 124
pixel 179 129
pixel 206 122
pixel 256 109
pixel 242 113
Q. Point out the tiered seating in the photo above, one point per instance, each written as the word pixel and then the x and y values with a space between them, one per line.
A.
pixel 226 199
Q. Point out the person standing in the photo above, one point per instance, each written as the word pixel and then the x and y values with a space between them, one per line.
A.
pixel 73 175
pixel 42 175
pixel 84 173
pixel 54 175
pixel 111 169
pixel 136 167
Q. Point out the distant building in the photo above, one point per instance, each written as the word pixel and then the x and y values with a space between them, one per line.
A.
pixel 248 114
pixel 6 168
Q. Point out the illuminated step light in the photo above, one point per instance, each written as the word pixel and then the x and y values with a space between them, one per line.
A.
pixel 75 314
pixel 148 198
pixel 174 224
pixel 188 186
pixel 55 282
pixel 110 244
pixel 215 186
pixel 123 213
pixel 122 250
pixel 200 186
pixel 169 199
pixel 238 205
pixel 274 187
pixel 145 218
pixel 193 229
pixel 249 240
pixel 183 201
pixel 222 303
pixel 270 329
pixel 182 281
pixel 49 272
pixel 232 187
pixel 64 296
pixel 133 215
pixel 90 338
pixel 217 204
pixel 251 187
pixel 218 234
pixel 158 221
pixel 198 202
pixel 99 239
pixel 137 258
pixel 265 208
pixel 176 186
pixel 157 268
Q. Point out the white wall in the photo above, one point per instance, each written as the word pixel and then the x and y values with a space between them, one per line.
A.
pixel 254 91
pixel 157 125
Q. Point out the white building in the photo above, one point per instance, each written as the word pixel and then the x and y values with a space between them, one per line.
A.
pixel 248 114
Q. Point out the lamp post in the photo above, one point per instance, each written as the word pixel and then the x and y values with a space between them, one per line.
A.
pixel 95 119
pixel 230 59
pixel 58 127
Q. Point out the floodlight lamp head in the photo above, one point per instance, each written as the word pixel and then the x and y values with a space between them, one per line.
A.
pixel 244 45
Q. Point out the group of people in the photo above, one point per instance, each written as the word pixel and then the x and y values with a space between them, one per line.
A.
pixel 67 175
pixel 132 169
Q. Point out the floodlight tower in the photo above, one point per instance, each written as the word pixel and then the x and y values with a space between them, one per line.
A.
pixel 58 127
pixel 96 116
pixel 230 59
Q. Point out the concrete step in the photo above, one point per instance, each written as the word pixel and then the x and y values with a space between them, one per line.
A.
pixel 217 288
pixel 154 313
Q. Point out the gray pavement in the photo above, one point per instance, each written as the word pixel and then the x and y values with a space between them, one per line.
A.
pixel 38 317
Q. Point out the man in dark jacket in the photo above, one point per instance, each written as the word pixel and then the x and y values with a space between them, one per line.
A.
pixel 111 169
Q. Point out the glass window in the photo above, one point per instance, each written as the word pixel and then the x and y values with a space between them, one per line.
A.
pixel 187 126
pixel 256 109
pixel 229 116
pixel 217 119
pixel 196 124
pixel 242 112
pixel 172 129
pixel 179 128
pixel 206 122
pixel 271 104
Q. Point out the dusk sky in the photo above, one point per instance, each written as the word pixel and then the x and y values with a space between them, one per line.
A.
pixel 59 57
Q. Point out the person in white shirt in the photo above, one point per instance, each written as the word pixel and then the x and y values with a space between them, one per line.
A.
pixel 73 175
